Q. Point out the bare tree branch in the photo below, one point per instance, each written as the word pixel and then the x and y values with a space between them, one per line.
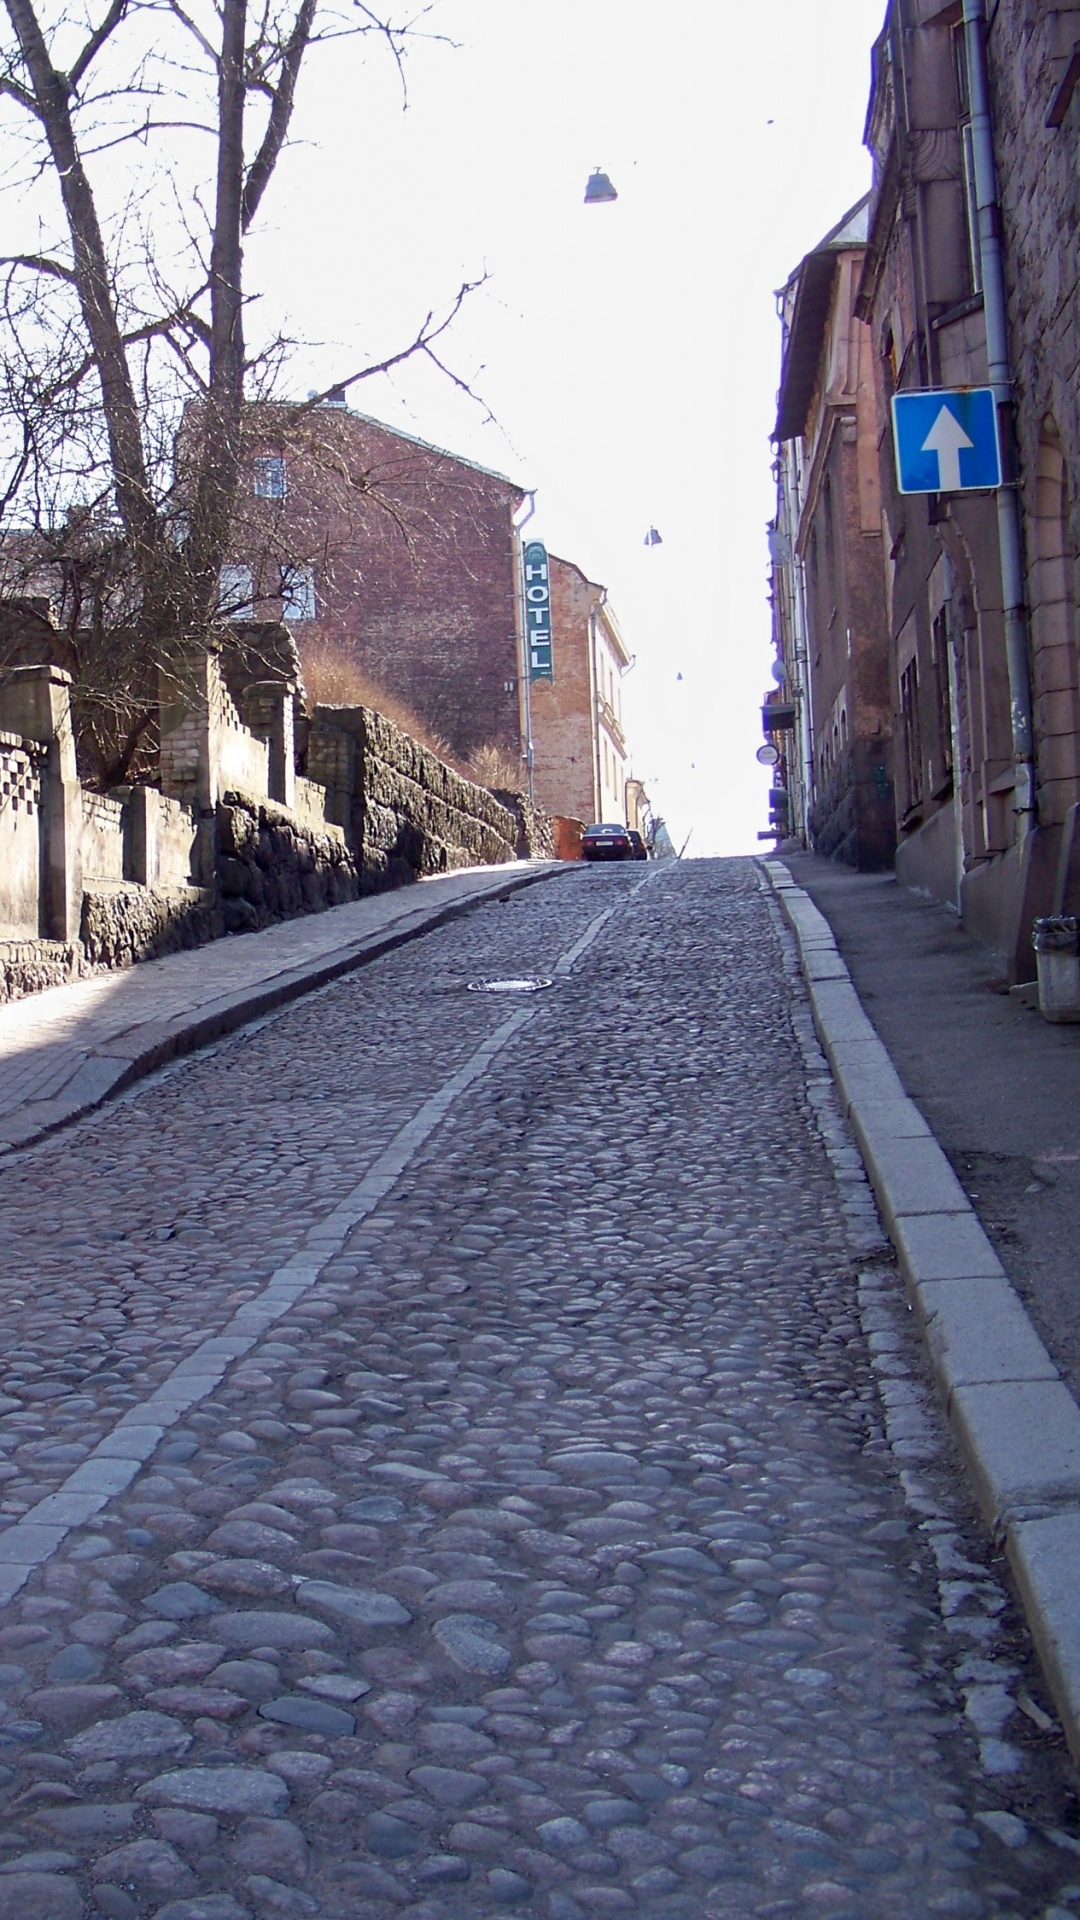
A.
pixel 95 43
pixel 427 334
pixel 39 264
pixel 127 399
pixel 282 99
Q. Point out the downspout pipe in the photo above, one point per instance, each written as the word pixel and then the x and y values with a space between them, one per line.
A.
pixel 802 668
pixel 1017 637
pixel 523 641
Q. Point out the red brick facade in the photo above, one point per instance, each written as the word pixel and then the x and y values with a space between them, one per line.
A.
pixel 579 749
pixel 404 555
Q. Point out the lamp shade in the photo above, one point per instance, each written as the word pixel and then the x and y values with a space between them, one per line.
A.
pixel 598 187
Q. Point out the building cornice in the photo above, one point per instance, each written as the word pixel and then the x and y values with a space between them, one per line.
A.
pixel 815 279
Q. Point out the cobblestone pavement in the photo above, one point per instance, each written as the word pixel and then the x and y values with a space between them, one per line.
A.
pixel 556 1521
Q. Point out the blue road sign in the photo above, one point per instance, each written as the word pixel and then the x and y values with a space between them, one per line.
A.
pixel 946 441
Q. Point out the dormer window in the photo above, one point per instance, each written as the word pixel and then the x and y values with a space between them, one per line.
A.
pixel 270 481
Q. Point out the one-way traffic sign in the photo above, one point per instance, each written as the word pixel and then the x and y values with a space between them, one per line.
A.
pixel 946 441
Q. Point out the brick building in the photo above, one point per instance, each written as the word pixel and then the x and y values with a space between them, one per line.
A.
pixel 972 828
pixel 389 552
pixel 987 805
pixel 828 585
pixel 920 296
pixel 580 757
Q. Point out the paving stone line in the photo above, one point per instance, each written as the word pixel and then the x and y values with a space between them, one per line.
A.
pixel 1017 1424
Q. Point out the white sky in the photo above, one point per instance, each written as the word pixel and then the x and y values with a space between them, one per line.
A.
pixel 628 352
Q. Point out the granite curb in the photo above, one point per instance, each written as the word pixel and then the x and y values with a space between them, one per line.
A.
pixel 1015 1420
pixel 112 1066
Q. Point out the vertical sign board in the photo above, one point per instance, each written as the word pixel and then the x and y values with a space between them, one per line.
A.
pixel 538 611
pixel 946 440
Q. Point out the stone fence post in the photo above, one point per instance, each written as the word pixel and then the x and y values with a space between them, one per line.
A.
pixel 35 702
pixel 269 710
pixel 185 699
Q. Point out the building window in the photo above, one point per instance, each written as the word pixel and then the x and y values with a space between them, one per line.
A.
pixel 942 694
pixel 298 593
pixel 234 593
pixel 909 716
pixel 270 479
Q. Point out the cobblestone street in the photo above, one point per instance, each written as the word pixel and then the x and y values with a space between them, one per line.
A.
pixel 489 1468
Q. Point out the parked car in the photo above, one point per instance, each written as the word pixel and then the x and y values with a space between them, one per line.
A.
pixel 641 851
pixel 607 841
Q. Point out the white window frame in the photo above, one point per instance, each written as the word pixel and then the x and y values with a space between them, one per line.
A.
pixel 271 479
pixel 236 592
pixel 298 593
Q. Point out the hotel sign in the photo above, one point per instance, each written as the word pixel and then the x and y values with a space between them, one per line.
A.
pixel 538 611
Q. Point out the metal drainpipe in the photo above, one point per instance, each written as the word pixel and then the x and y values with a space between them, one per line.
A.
pixel 802 667
pixel 594 701
pixel 523 621
pixel 801 637
pixel 1017 641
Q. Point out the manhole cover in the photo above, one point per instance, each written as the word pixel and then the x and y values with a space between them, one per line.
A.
pixel 534 985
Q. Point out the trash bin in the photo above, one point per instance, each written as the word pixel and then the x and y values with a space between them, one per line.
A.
pixel 1056 941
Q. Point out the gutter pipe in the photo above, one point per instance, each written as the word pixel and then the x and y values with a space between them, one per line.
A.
pixel 1017 639
pixel 523 641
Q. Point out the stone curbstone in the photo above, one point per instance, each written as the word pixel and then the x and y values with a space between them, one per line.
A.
pixel 944 1247
pixel 977 1332
pixel 1045 1559
pixel 910 1175
pixel 1021 1441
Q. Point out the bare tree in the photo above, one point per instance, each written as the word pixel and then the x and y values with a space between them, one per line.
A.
pixel 124 314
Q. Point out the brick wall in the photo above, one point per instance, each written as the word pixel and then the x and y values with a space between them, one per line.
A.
pixel 413 557
pixel 562 708
pixel 580 753
pixel 103 837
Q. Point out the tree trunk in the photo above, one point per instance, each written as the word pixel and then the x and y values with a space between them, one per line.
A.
pixel 93 282
pixel 218 456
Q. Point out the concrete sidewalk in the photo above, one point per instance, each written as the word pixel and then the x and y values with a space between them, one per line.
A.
pixel 943 1073
pixel 64 1051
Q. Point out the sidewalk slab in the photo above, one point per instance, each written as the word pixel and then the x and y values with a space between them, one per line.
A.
pixel 1016 1421
pixel 63 1052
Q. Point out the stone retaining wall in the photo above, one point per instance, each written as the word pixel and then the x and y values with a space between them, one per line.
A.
pixel 272 865
pixel 123 922
pixel 405 813
pixel 29 966
pixel 145 873
pixel 535 828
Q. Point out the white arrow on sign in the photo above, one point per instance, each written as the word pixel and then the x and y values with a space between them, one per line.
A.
pixel 945 438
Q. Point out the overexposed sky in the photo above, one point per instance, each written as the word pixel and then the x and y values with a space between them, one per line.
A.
pixel 628 353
